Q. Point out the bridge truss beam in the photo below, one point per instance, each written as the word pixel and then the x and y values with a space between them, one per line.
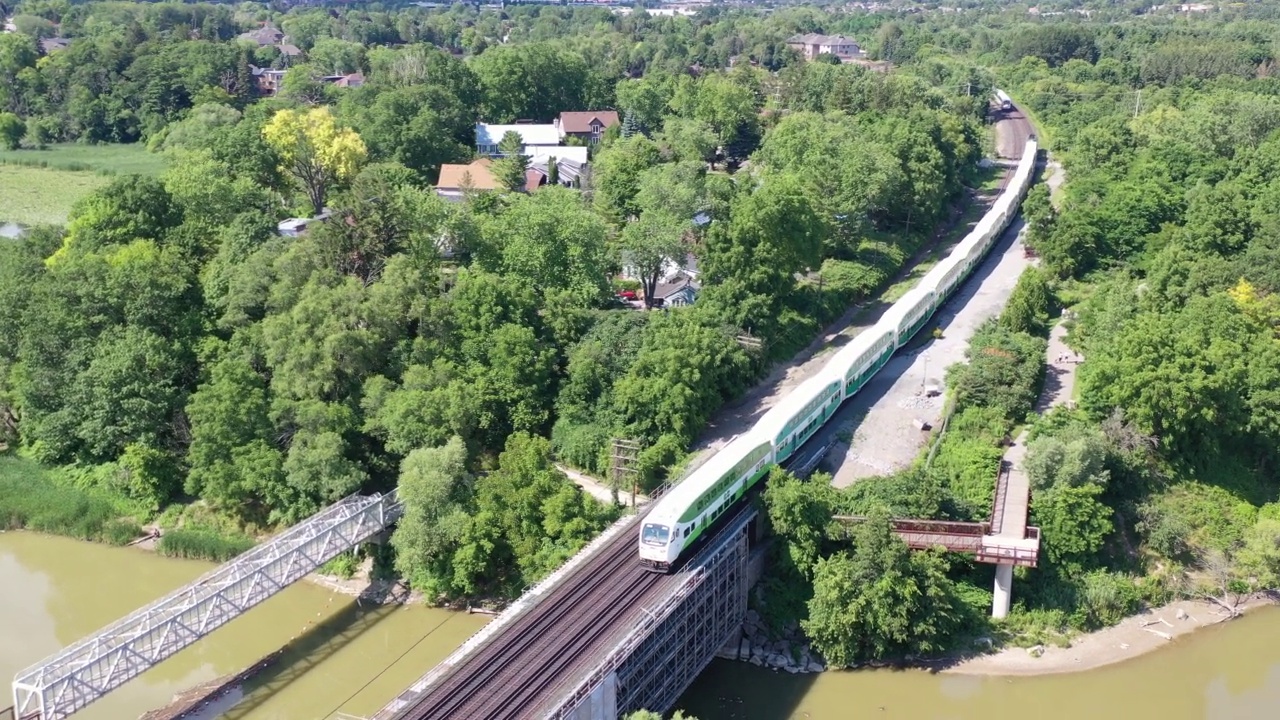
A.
pixel 94 666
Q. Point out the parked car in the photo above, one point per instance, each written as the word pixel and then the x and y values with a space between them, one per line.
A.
pixel 627 294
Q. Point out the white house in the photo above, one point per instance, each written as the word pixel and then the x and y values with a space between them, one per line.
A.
pixel 535 137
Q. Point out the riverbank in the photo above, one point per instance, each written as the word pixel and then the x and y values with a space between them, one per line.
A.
pixel 1134 636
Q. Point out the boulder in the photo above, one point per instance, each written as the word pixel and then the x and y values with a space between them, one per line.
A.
pixel 814 667
pixel 1182 614
pixel 1036 651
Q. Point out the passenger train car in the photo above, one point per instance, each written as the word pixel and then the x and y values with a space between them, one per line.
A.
pixel 682 515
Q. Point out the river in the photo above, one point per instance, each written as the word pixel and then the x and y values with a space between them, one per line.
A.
pixel 345 658
pixel 352 659
pixel 1226 672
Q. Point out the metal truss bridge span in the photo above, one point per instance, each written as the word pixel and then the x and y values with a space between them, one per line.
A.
pixel 94 666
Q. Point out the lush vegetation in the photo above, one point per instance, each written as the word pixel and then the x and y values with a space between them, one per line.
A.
pixel 167 354
pixel 174 349
pixel 1161 483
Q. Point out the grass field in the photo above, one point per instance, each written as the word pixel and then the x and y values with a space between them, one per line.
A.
pixel 111 159
pixel 39 187
pixel 36 196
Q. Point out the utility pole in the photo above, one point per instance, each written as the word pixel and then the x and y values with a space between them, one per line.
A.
pixel 622 463
pixel 1137 104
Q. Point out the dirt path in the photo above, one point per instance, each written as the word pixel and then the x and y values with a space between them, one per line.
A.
pixel 597 488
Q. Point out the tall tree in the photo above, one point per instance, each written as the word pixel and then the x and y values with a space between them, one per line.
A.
pixel 881 600
pixel 315 150
pixel 511 167
pixel 650 243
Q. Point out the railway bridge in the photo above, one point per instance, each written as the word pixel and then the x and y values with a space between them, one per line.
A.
pixel 598 639
pixel 88 669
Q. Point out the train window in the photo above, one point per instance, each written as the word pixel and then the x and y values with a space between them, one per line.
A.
pixel 654 534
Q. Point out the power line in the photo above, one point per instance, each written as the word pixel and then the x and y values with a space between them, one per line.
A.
pixel 388 667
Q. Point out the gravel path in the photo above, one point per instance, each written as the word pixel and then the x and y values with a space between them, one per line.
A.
pixel 738 416
pixel 877 431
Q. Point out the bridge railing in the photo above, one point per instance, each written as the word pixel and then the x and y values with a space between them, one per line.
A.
pixel 94 666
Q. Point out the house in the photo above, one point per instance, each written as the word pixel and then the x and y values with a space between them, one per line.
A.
pixel 541 154
pixel 679 289
pixel 535 137
pixel 811 45
pixel 264 36
pixel 293 227
pixel 353 80
pixel 569 172
pixel 588 126
pixel 48 46
pixel 456 179
pixel 267 80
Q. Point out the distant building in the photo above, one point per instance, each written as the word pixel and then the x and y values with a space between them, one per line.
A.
pixel 267 80
pixel 534 137
pixel 812 45
pixel 264 36
pixel 569 172
pixel 457 179
pixel 354 80
pixel 293 227
pixel 48 46
pixel 676 290
pixel 589 125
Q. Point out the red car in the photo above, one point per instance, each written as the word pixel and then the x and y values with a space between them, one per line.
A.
pixel 627 294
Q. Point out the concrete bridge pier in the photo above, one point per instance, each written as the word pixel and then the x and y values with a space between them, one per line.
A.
pixel 1003 590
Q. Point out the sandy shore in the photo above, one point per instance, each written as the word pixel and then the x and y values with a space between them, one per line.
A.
pixel 1134 636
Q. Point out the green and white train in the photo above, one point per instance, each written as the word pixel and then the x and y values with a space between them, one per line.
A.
pixel 682 515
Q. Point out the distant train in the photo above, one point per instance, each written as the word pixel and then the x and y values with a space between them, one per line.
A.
pixel 681 516
pixel 1002 99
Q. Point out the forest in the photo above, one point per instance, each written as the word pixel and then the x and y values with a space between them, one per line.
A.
pixel 177 359
pixel 169 358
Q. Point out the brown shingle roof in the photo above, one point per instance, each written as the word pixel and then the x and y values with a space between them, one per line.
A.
pixel 451 176
pixel 580 122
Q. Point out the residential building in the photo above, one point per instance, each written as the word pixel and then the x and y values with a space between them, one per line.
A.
pixel 456 179
pixel 293 227
pixel 48 46
pixel 353 80
pixel 562 153
pixel 569 172
pixel 589 125
pixel 812 45
pixel 535 137
pixel 267 80
pixel 264 36
pixel 679 289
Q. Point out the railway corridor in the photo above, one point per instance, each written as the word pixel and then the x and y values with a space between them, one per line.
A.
pixel 552 643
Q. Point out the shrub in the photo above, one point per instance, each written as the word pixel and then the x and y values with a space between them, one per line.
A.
pixel 202 544
pixel 343 566
pixel 33 498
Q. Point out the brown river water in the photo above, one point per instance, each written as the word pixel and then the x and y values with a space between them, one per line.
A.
pixel 349 659
pixel 346 658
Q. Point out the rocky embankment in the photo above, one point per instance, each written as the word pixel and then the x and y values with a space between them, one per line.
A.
pixel 756 645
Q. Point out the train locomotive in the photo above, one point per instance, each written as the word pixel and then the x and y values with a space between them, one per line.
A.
pixel 683 514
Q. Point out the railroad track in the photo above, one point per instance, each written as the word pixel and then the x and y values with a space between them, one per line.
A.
pixel 508 678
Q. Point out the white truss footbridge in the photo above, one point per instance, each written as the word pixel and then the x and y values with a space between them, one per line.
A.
pixel 94 666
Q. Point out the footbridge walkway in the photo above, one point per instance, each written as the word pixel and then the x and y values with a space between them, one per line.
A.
pixel 94 666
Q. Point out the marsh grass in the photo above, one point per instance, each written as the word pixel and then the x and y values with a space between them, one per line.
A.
pixel 33 498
